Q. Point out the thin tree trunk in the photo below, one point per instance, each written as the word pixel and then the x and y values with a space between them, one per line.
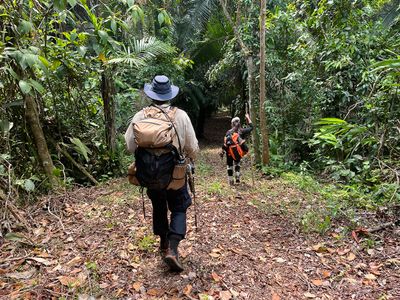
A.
pixel 262 111
pixel 32 118
pixel 107 93
pixel 252 108
pixel 250 78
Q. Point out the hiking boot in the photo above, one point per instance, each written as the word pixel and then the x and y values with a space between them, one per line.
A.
pixel 237 180
pixel 172 261
pixel 164 244
pixel 230 180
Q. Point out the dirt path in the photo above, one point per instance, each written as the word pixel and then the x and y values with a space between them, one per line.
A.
pixel 96 244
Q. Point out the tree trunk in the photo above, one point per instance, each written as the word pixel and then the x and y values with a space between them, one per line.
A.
pixel 252 108
pixel 107 93
pixel 32 118
pixel 262 111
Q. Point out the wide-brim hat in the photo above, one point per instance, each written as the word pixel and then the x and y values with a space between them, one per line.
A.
pixel 161 89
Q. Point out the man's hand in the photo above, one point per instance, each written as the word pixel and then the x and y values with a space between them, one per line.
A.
pixel 247 116
pixel 221 154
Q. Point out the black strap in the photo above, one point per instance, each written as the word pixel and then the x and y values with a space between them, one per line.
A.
pixel 173 125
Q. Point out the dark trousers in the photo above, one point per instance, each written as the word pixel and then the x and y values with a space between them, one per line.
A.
pixel 177 202
pixel 229 162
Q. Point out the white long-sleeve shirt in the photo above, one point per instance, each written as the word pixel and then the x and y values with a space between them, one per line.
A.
pixel 182 124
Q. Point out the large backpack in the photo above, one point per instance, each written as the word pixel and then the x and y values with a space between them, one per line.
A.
pixel 156 155
pixel 234 145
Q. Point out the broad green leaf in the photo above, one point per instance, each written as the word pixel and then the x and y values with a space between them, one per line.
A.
pixel 82 50
pixel 29 185
pixel 60 4
pixel 161 18
pixel 81 147
pixel 72 2
pixel 37 86
pixel 6 126
pixel 25 86
pixel 386 64
pixel 113 25
pixel 13 74
pixel 167 18
pixel 131 3
pixel 25 27
pixel 103 35
pixel 330 121
pixel 44 61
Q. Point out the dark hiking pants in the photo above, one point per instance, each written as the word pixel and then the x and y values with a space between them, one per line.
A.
pixel 230 162
pixel 177 202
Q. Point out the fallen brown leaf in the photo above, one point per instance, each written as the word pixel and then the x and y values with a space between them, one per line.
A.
pixel 155 292
pixel 214 255
pixel 275 296
pixel 187 290
pixel 21 275
pixel 137 285
pixel 42 261
pixel 309 295
pixel 75 261
pixel 317 282
pixel 66 280
pixel 279 260
pixel 351 256
pixel 320 248
pixel 370 276
pixel 225 295
pixel 215 277
pixel 325 273
pixel 342 252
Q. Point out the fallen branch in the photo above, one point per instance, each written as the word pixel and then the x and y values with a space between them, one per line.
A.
pixel 76 164
pixel 383 226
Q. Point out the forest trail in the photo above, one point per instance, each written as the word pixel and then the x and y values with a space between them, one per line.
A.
pixel 94 243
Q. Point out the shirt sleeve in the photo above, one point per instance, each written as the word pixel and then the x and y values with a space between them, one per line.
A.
pixel 247 130
pixel 130 136
pixel 191 146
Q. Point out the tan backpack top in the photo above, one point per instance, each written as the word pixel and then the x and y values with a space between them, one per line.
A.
pixel 156 130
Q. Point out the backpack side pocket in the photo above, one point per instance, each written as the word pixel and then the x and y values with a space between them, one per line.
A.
pixel 132 174
pixel 178 175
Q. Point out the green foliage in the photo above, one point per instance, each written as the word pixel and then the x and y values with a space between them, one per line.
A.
pixel 215 188
pixel 59 61
pixel 147 243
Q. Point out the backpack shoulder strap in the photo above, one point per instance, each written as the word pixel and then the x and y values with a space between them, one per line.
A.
pixel 171 112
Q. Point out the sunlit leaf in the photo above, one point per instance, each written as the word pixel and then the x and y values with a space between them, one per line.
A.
pixel 161 18
pixel 37 86
pixel 60 4
pixel 5 125
pixel 113 25
pixel 25 86
pixel 29 185
pixel 81 148
pixel 72 2
pixel 25 27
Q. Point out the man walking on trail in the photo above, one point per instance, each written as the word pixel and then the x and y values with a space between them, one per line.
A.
pixel 235 147
pixel 161 92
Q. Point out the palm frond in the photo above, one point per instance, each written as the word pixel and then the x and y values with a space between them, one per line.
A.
pixel 195 21
pixel 139 52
